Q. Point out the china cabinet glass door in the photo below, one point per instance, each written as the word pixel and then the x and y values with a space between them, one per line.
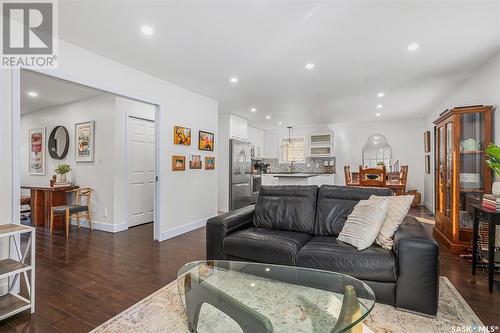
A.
pixel 449 169
pixel 471 163
pixel 441 184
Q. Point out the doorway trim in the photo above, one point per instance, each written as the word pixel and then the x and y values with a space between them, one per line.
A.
pixel 16 132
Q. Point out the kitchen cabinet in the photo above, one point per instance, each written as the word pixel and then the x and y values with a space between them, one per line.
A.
pixel 298 179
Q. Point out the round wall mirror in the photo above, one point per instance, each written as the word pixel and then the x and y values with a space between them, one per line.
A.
pixel 59 143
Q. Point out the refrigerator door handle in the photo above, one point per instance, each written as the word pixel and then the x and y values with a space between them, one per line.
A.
pixel 243 166
pixel 242 184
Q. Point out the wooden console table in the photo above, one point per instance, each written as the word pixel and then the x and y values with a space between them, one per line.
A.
pixel 43 198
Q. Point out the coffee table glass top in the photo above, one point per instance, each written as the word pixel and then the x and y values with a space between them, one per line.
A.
pixel 230 296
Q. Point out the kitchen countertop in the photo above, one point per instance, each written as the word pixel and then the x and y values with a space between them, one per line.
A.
pixel 296 174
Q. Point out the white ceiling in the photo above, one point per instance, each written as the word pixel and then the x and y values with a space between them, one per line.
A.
pixel 359 48
pixel 51 92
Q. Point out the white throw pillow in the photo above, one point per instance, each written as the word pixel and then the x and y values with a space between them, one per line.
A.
pixel 398 208
pixel 363 224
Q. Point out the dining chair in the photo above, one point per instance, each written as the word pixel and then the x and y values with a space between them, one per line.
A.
pixel 347 175
pixel 403 178
pixel 372 177
pixel 81 207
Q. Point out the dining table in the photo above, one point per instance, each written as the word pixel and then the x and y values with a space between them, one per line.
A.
pixel 43 198
pixel 392 181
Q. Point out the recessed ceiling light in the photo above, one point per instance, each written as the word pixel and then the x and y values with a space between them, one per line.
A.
pixel 380 94
pixel 234 79
pixel 147 30
pixel 32 94
pixel 310 65
pixel 253 109
pixel 268 117
pixel 379 106
pixel 280 123
pixel 378 114
pixel 413 47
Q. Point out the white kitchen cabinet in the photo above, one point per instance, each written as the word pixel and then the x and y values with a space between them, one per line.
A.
pixel 318 180
pixel 326 179
pixel 256 137
pixel 321 138
pixel 267 179
pixel 238 127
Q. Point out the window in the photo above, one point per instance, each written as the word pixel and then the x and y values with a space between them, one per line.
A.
pixel 377 150
pixel 293 150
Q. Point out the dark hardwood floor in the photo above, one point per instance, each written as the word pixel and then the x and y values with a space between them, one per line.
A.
pixel 89 278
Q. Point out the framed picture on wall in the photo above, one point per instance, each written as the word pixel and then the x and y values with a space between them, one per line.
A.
pixel 195 162
pixel 37 151
pixel 427 164
pixel 209 163
pixel 206 141
pixel 182 136
pixel 85 141
pixel 427 141
pixel 178 163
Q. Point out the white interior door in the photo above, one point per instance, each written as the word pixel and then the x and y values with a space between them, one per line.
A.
pixel 141 170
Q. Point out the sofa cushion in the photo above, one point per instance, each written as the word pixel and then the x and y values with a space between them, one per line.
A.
pixel 328 253
pixel 265 245
pixel 291 208
pixel 399 206
pixel 364 223
pixel 335 203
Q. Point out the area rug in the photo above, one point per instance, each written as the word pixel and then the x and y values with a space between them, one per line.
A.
pixel 424 220
pixel 163 312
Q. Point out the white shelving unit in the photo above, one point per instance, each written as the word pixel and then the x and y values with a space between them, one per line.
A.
pixel 13 269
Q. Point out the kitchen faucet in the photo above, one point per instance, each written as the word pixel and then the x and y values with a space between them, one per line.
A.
pixel 291 168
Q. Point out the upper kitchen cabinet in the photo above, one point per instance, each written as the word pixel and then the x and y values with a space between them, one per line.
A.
pixel 325 138
pixel 321 144
pixel 256 137
pixel 238 127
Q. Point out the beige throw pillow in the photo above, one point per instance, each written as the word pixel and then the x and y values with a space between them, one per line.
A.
pixel 398 208
pixel 363 224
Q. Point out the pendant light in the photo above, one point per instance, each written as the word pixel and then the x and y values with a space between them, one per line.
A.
pixel 290 142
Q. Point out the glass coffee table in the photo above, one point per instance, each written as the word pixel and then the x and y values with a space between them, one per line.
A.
pixel 231 296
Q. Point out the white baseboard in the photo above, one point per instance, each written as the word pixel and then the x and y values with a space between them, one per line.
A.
pixel 428 206
pixel 108 227
pixel 184 228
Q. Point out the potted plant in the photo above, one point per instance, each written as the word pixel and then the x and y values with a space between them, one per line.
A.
pixel 493 161
pixel 62 170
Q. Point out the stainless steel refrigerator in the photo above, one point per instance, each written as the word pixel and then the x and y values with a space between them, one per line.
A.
pixel 240 173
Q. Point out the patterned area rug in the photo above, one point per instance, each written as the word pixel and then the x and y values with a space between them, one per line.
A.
pixel 163 312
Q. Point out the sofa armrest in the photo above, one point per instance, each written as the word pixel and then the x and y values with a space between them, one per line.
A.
pixel 220 226
pixel 417 254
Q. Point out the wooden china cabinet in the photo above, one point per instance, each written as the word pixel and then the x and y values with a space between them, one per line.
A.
pixel 461 173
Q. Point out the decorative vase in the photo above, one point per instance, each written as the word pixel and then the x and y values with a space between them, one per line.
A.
pixel 62 178
pixel 495 188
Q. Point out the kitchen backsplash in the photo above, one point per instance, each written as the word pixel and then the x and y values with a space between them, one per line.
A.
pixel 311 164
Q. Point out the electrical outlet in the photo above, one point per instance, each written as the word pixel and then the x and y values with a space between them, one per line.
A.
pixel 105 212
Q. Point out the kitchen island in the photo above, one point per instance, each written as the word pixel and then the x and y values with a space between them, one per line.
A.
pixel 298 178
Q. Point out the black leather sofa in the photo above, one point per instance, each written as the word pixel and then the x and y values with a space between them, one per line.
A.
pixel 298 225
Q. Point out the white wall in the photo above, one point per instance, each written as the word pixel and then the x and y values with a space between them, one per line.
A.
pixel 186 198
pixel 404 136
pixel 481 88
pixel 223 167
pixel 99 174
